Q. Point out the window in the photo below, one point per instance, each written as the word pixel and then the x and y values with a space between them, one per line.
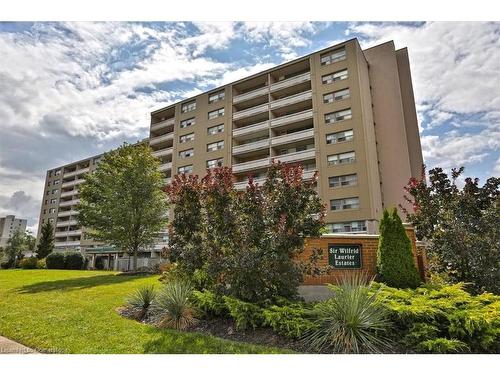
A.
pixel 46 201
pixel 332 117
pixel 52 210
pixel 217 113
pixel 345 180
pixel 215 129
pixel 186 153
pixel 56 182
pixel 51 220
pixel 328 58
pixel 188 122
pixel 216 96
pixel 344 158
pixel 55 191
pixel 215 146
pixel 96 160
pixel 344 204
pixel 338 137
pixel 347 227
pixel 186 138
pixel 188 107
pixel 337 95
pixel 336 76
pixel 53 201
pixel 44 212
pixel 57 172
pixel 214 163
pixel 185 169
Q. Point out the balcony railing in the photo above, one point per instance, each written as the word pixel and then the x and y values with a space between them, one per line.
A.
pixel 292 99
pixel 253 146
pixel 290 119
pixel 165 166
pixel 77 172
pixel 66 223
pixel 249 165
pixel 249 129
pixel 243 184
pixel 291 81
pixel 69 193
pixel 163 152
pixel 292 137
pixel 251 111
pixel 67 233
pixel 67 213
pixel 250 95
pixel 161 138
pixel 68 203
pixel 163 124
pixel 66 243
pixel 73 182
pixel 296 156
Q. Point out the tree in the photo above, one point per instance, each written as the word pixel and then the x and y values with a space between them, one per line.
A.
pixel 395 262
pixel 46 244
pixel 460 224
pixel 122 203
pixel 30 241
pixel 15 247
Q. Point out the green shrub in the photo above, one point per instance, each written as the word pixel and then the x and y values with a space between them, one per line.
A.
pixel 395 262
pixel 442 346
pixel 172 305
pixel 6 264
pixel 443 312
pixel 41 264
pixel 351 321
pixel 55 261
pixel 290 321
pixel 73 261
pixel 245 314
pixel 142 299
pixel 28 263
pixel 208 303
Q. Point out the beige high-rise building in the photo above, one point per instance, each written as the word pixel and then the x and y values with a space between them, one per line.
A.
pixel 8 226
pixel 345 112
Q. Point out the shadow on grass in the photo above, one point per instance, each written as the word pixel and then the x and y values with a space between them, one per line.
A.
pixel 76 283
pixel 168 341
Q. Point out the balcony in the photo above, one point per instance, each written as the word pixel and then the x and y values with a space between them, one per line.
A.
pixel 165 166
pixel 292 137
pixel 243 184
pixel 69 193
pixel 73 182
pixel 163 124
pixel 66 223
pixel 77 172
pixel 67 213
pixel 250 95
pixel 292 99
pixel 290 119
pixel 161 138
pixel 67 233
pixel 253 146
pixel 251 111
pixel 307 175
pixel 291 81
pixel 249 165
pixel 69 203
pixel 67 244
pixel 166 181
pixel 163 152
pixel 246 130
pixel 297 156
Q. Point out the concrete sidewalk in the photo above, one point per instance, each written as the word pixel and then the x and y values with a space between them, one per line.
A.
pixel 11 347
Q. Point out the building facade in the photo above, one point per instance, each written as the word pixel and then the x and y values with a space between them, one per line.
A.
pixel 8 226
pixel 345 112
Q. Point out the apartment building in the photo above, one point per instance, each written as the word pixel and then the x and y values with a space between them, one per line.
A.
pixel 345 112
pixel 8 226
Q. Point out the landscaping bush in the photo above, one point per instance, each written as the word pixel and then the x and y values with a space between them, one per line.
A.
pixel 73 261
pixel 433 318
pixel 6 264
pixel 142 299
pixel 41 264
pixel 351 321
pixel 395 262
pixel 55 261
pixel 28 263
pixel 290 321
pixel 173 307
pixel 245 314
pixel 209 304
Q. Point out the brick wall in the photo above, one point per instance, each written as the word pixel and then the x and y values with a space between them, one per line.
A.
pixel 369 246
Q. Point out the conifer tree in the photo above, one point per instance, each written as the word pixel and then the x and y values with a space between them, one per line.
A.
pixel 46 244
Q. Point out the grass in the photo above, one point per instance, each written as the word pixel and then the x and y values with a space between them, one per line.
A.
pixel 74 312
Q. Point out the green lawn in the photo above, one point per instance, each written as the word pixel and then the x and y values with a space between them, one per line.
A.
pixel 74 312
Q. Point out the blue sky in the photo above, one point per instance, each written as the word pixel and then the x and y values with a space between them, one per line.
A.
pixel 71 90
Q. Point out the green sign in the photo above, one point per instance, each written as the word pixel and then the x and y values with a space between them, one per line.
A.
pixel 344 256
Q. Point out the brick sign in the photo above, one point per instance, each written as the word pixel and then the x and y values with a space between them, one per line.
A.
pixel 344 256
